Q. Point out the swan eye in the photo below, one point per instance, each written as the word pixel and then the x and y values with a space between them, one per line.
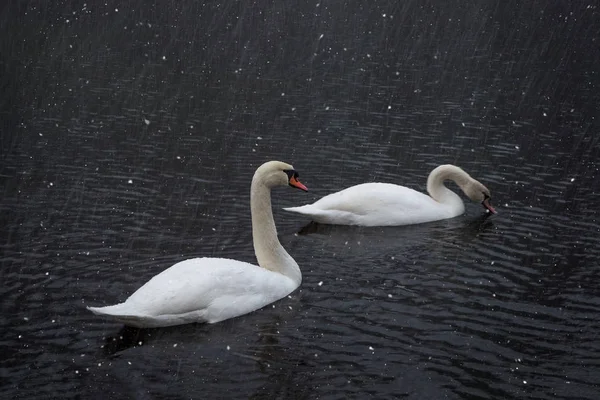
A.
pixel 291 173
pixel 485 196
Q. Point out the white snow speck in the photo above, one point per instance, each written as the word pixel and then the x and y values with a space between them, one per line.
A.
pixel 175 345
pixel 130 181
pixel 371 348
pixel 463 124
pixel 389 107
pixel 572 179
pixel 517 147
pixel 321 283
pixel 321 37
pixel 146 121
pixel 545 115
pixel 258 138
pixel 116 10
pixel 525 382
pixel 25 319
pixel 228 348
pixel 164 57
pixel 390 296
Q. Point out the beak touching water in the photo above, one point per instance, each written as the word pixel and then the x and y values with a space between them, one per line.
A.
pixel 488 206
pixel 296 183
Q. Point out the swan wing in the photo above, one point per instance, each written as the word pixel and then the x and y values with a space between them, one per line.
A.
pixel 374 204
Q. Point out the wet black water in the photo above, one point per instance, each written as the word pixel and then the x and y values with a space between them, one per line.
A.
pixel 130 133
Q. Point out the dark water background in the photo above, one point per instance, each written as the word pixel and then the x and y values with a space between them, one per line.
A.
pixel 131 130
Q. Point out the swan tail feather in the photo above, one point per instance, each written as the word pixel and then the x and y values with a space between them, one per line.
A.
pixel 115 310
pixel 330 216
pixel 306 210
pixel 120 313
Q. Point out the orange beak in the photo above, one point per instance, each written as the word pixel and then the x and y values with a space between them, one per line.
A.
pixel 296 183
pixel 488 206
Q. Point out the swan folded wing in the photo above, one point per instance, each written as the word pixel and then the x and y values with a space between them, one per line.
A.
pixel 210 290
pixel 375 204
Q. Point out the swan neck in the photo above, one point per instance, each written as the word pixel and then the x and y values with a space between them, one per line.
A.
pixel 269 252
pixel 435 183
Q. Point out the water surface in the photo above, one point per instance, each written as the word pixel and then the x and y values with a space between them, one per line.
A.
pixel 130 133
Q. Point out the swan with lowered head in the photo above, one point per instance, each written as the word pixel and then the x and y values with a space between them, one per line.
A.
pixel 385 204
pixel 215 289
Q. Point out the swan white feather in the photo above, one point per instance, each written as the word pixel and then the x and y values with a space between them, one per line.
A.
pixel 385 204
pixel 215 289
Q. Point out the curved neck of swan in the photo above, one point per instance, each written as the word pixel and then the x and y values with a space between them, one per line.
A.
pixel 439 192
pixel 269 252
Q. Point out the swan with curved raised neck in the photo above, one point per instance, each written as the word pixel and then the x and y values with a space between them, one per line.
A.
pixel 385 204
pixel 215 289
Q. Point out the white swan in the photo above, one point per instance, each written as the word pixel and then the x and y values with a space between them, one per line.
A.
pixel 215 289
pixel 384 204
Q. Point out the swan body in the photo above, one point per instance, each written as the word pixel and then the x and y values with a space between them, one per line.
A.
pixel 385 204
pixel 200 290
pixel 215 289
pixel 378 204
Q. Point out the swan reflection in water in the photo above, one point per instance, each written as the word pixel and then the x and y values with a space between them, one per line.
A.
pixel 464 228
pixel 278 364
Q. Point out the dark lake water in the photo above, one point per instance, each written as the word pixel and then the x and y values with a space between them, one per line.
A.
pixel 130 133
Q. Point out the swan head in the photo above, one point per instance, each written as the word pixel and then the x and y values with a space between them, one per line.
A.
pixel 277 173
pixel 476 191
